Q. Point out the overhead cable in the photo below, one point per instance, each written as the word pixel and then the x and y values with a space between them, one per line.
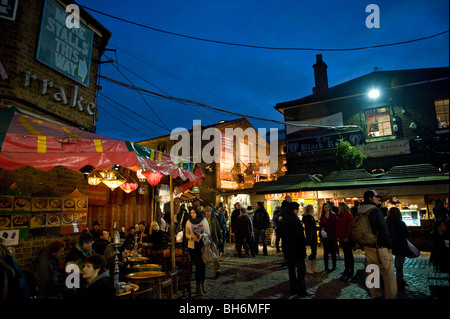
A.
pixel 266 47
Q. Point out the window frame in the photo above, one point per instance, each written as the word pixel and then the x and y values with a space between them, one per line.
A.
pixel 383 129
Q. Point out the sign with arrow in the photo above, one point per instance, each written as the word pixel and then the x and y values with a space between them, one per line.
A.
pixel 62 47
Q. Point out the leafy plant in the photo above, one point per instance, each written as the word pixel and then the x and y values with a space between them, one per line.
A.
pixel 348 156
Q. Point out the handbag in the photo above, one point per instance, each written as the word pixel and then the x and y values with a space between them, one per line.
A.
pixel 413 251
pixel 209 251
pixel 179 237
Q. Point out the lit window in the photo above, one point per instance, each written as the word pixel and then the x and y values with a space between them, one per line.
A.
pixel 441 107
pixel 378 122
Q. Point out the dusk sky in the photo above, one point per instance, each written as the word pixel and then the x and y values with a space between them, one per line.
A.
pixel 245 80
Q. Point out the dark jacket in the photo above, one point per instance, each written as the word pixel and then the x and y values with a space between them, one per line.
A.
pixel 310 228
pixel 294 243
pixel 399 231
pixel 261 219
pixel 77 255
pixel 156 238
pixel 51 280
pixel 329 225
pixel 378 224
pixel 234 215
pixel 101 287
pixel 243 224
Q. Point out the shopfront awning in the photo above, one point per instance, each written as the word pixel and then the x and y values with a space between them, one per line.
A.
pixel 29 141
pixel 287 184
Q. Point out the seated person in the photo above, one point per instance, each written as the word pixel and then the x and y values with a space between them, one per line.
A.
pixel 99 283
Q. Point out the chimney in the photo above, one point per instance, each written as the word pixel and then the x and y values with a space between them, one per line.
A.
pixel 320 76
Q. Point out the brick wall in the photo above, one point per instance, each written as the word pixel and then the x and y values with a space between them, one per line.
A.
pixel 18 50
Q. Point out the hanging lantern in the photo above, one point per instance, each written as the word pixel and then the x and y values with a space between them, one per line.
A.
pixel 94 179
pixel 152 178
pixel 112 179
pixel 140 176
pixel 128 187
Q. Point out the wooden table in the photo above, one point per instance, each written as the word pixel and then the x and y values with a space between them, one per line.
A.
pixel 138 259
pixel 146 275
pixel 146 267
pixel 133 286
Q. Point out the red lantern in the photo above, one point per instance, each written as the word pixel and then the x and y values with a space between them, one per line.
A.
pixel 152 178
pixel 128 187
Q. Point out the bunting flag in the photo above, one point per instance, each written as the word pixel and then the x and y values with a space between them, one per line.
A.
pixel 29 141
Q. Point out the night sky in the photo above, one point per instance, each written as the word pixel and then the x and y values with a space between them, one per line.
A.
pixel 247 80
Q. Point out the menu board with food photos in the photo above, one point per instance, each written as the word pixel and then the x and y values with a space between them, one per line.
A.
pixel 38 215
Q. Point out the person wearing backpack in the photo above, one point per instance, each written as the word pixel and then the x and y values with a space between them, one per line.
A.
pixel 379 250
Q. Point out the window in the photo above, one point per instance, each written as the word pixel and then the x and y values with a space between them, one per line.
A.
pixel 378 122
pixel 441 107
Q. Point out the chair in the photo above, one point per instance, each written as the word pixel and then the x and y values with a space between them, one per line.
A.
pixel 164 288
pixel 144 294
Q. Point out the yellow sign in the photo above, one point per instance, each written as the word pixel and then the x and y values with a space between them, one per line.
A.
pixel 298 195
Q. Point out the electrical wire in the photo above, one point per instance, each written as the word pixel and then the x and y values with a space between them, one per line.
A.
pixel 266 47
pixel 228 112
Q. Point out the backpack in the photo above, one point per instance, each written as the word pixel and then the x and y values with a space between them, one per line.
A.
pixel 361 230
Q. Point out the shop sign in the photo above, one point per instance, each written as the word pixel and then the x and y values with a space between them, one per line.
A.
pixel 8 9
pixel 65 50
pixel 297 195
pixel 73 100
pixel 396 147
pixel 322 143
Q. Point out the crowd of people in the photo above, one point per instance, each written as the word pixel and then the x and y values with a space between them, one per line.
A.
pixel 93 255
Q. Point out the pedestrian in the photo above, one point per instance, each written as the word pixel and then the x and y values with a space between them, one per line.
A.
pixel 99 283
pixel 327 224
pixel 95 231
pixel 399 233
pixel 440 251
pixel 311 238
pixel 216 234
pixel 223 226
pixel 354 209
pixel 261 221
pixel 100 244
pixel 379 254
pixel 440 212
pixel 244 233
pixel 294 248
pixel 275 223
pixel 250 212
pixel 81 249
pixel 344 236
pixel 196 226
pixel 233 218
pixel 50 278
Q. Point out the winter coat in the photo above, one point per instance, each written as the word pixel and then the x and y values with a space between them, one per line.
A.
pixel 294 243
pixel 329 225
pixel 214 228
pixel 51 282
pixel 196 228
pixel 399 231
pixel 343 226
pixel 243 224
pixel 102 287
pixel 77 255
pixel 378 224
pixel 261 219
pixel 234 215
pixel 310 228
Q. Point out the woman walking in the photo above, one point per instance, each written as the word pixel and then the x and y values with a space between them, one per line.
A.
pixel 311 238
pixel 196 227
pixel 399 232
pixel 327 223
pixel 343 234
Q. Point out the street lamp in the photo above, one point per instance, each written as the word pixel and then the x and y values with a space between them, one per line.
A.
pixel 374 93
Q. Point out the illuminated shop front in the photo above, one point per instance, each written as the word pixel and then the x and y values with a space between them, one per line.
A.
pixel 303 198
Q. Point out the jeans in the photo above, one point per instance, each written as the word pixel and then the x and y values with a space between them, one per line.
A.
pixel 347 249
pixel 196 257
pixel 261 232
pixel 297 271
pixel 243 239
pixel 329 247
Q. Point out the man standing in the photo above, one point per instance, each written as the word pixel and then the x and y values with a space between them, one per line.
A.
pixel 294 249
pixel 380 253
pixel 261 222
pixel 216 234
pixel 244 232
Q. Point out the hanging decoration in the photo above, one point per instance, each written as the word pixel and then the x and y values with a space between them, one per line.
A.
pixel 112 178
pixel 152 178
pixel 128 187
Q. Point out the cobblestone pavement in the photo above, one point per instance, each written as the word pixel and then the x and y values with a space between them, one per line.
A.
pixel 266 277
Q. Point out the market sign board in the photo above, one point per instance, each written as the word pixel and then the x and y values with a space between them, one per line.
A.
pixel 390 148
pixel 8 9
pixel 65 50
pixel 322 143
